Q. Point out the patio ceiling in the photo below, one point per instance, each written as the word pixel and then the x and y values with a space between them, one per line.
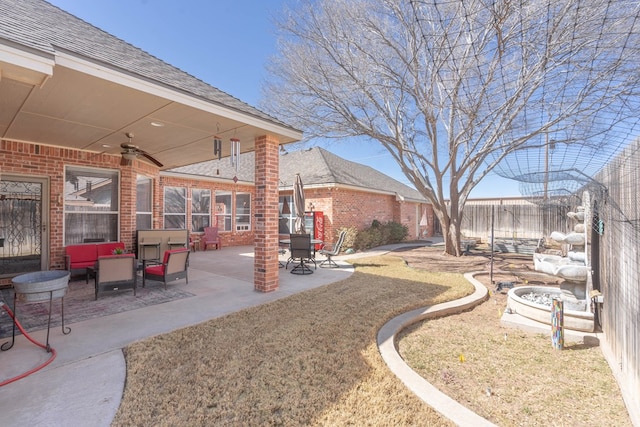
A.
pixel 87 106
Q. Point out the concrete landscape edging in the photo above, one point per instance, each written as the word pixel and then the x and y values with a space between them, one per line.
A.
pixel 439 401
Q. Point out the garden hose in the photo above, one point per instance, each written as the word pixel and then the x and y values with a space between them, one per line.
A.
pixel 49 349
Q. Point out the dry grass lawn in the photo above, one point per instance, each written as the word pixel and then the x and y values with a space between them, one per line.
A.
pixel 510 377
pixel 311 359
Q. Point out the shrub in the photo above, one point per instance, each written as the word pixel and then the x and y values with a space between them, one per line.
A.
pixel 380 234
pixel 369 238
pixel 349 239
pixel 397 232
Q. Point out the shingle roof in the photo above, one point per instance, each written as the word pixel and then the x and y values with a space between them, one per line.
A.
pixel 317 167
pixel 46 29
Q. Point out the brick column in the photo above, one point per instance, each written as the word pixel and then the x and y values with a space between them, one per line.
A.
pixel 267 178
pixel 128 207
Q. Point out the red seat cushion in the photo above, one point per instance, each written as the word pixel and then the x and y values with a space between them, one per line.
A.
pixel 81 253
pixel 83 264
pixel 156 270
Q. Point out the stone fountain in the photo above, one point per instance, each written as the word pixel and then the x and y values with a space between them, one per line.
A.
pixel 534 302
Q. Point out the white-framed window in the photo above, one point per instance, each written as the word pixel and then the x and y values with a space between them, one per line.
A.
pixel 243 211
pixel 200 209
pixel 91 204
pixel 144 203
pixel 223 210
pixel 233 211
pixel 175 207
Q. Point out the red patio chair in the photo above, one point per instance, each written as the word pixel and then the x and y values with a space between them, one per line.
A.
pixel 174 266
pixel 211 238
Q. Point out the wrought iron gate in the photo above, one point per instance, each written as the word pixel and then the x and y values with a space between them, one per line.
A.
pixel 21 224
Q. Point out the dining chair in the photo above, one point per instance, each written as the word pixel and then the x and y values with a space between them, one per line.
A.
pixel 334 251
pixel 300 249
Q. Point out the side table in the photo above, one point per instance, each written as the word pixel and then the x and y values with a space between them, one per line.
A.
pixel 149 244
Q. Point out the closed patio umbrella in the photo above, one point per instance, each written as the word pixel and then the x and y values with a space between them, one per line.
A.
pixel 298 202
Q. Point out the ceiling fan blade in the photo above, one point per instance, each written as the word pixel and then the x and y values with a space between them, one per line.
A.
pixel 129 148
pixel 148 156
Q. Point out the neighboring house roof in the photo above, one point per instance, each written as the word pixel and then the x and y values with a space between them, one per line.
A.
pixel 317 168
pixel 46 29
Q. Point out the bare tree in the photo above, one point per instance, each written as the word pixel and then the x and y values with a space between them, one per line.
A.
pixel 451 88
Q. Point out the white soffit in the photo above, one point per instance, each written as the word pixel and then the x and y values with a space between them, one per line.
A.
pixel 24 67
pixel 133 82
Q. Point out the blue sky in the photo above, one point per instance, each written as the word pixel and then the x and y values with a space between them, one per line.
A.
pixel 225 43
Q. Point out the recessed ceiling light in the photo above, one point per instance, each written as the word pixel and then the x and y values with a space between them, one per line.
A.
pixel 106 146
pixel 157 124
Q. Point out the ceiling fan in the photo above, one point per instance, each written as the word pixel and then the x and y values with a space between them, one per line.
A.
pixel 130 152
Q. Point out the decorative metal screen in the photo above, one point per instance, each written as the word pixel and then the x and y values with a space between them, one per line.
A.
pixel 20 226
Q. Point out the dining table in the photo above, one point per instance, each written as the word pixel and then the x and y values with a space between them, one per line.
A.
pixel 314 243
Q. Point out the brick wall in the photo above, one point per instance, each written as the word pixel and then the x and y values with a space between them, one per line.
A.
pixel 344 208
pixel 228 238
pixel 43 161
pixel 47 162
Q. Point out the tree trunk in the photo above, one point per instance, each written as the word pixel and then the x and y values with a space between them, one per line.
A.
pixel 450 221
pixel 452 241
